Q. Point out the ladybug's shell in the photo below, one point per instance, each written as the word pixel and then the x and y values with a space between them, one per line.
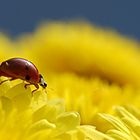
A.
pixel 20 68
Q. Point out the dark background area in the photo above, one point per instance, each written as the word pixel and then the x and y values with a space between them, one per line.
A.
pixel 19 16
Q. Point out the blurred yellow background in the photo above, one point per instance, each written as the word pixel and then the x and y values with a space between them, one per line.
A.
pixel 91 68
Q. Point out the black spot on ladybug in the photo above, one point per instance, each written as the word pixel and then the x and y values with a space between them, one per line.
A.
pixel 26 68
pixel 27 77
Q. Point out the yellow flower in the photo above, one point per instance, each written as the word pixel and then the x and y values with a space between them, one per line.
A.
pixel 126 125
pixel 89 68
pixel 85 65
pixel 29 118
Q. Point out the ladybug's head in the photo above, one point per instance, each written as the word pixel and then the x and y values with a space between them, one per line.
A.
pixel 42 82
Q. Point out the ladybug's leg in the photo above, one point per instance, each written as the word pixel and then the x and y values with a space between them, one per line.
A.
pixel 11 79
pixel 27 85
pixel 37 87
pixel 4 81
pixel 7 80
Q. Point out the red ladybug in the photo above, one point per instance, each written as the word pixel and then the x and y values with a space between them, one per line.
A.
pixel 19 68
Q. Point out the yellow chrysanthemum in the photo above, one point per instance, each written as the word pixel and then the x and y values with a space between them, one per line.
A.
pixel 126 124
pixel 85 66
pixel 91 96
pixel 89 68
pixel 23 117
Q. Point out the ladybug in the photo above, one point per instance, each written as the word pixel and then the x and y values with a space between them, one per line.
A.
pixel 19 68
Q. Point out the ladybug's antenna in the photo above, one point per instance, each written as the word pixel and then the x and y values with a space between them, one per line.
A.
pixel 48 89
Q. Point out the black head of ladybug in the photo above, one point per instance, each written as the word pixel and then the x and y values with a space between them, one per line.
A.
pixel 42 82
